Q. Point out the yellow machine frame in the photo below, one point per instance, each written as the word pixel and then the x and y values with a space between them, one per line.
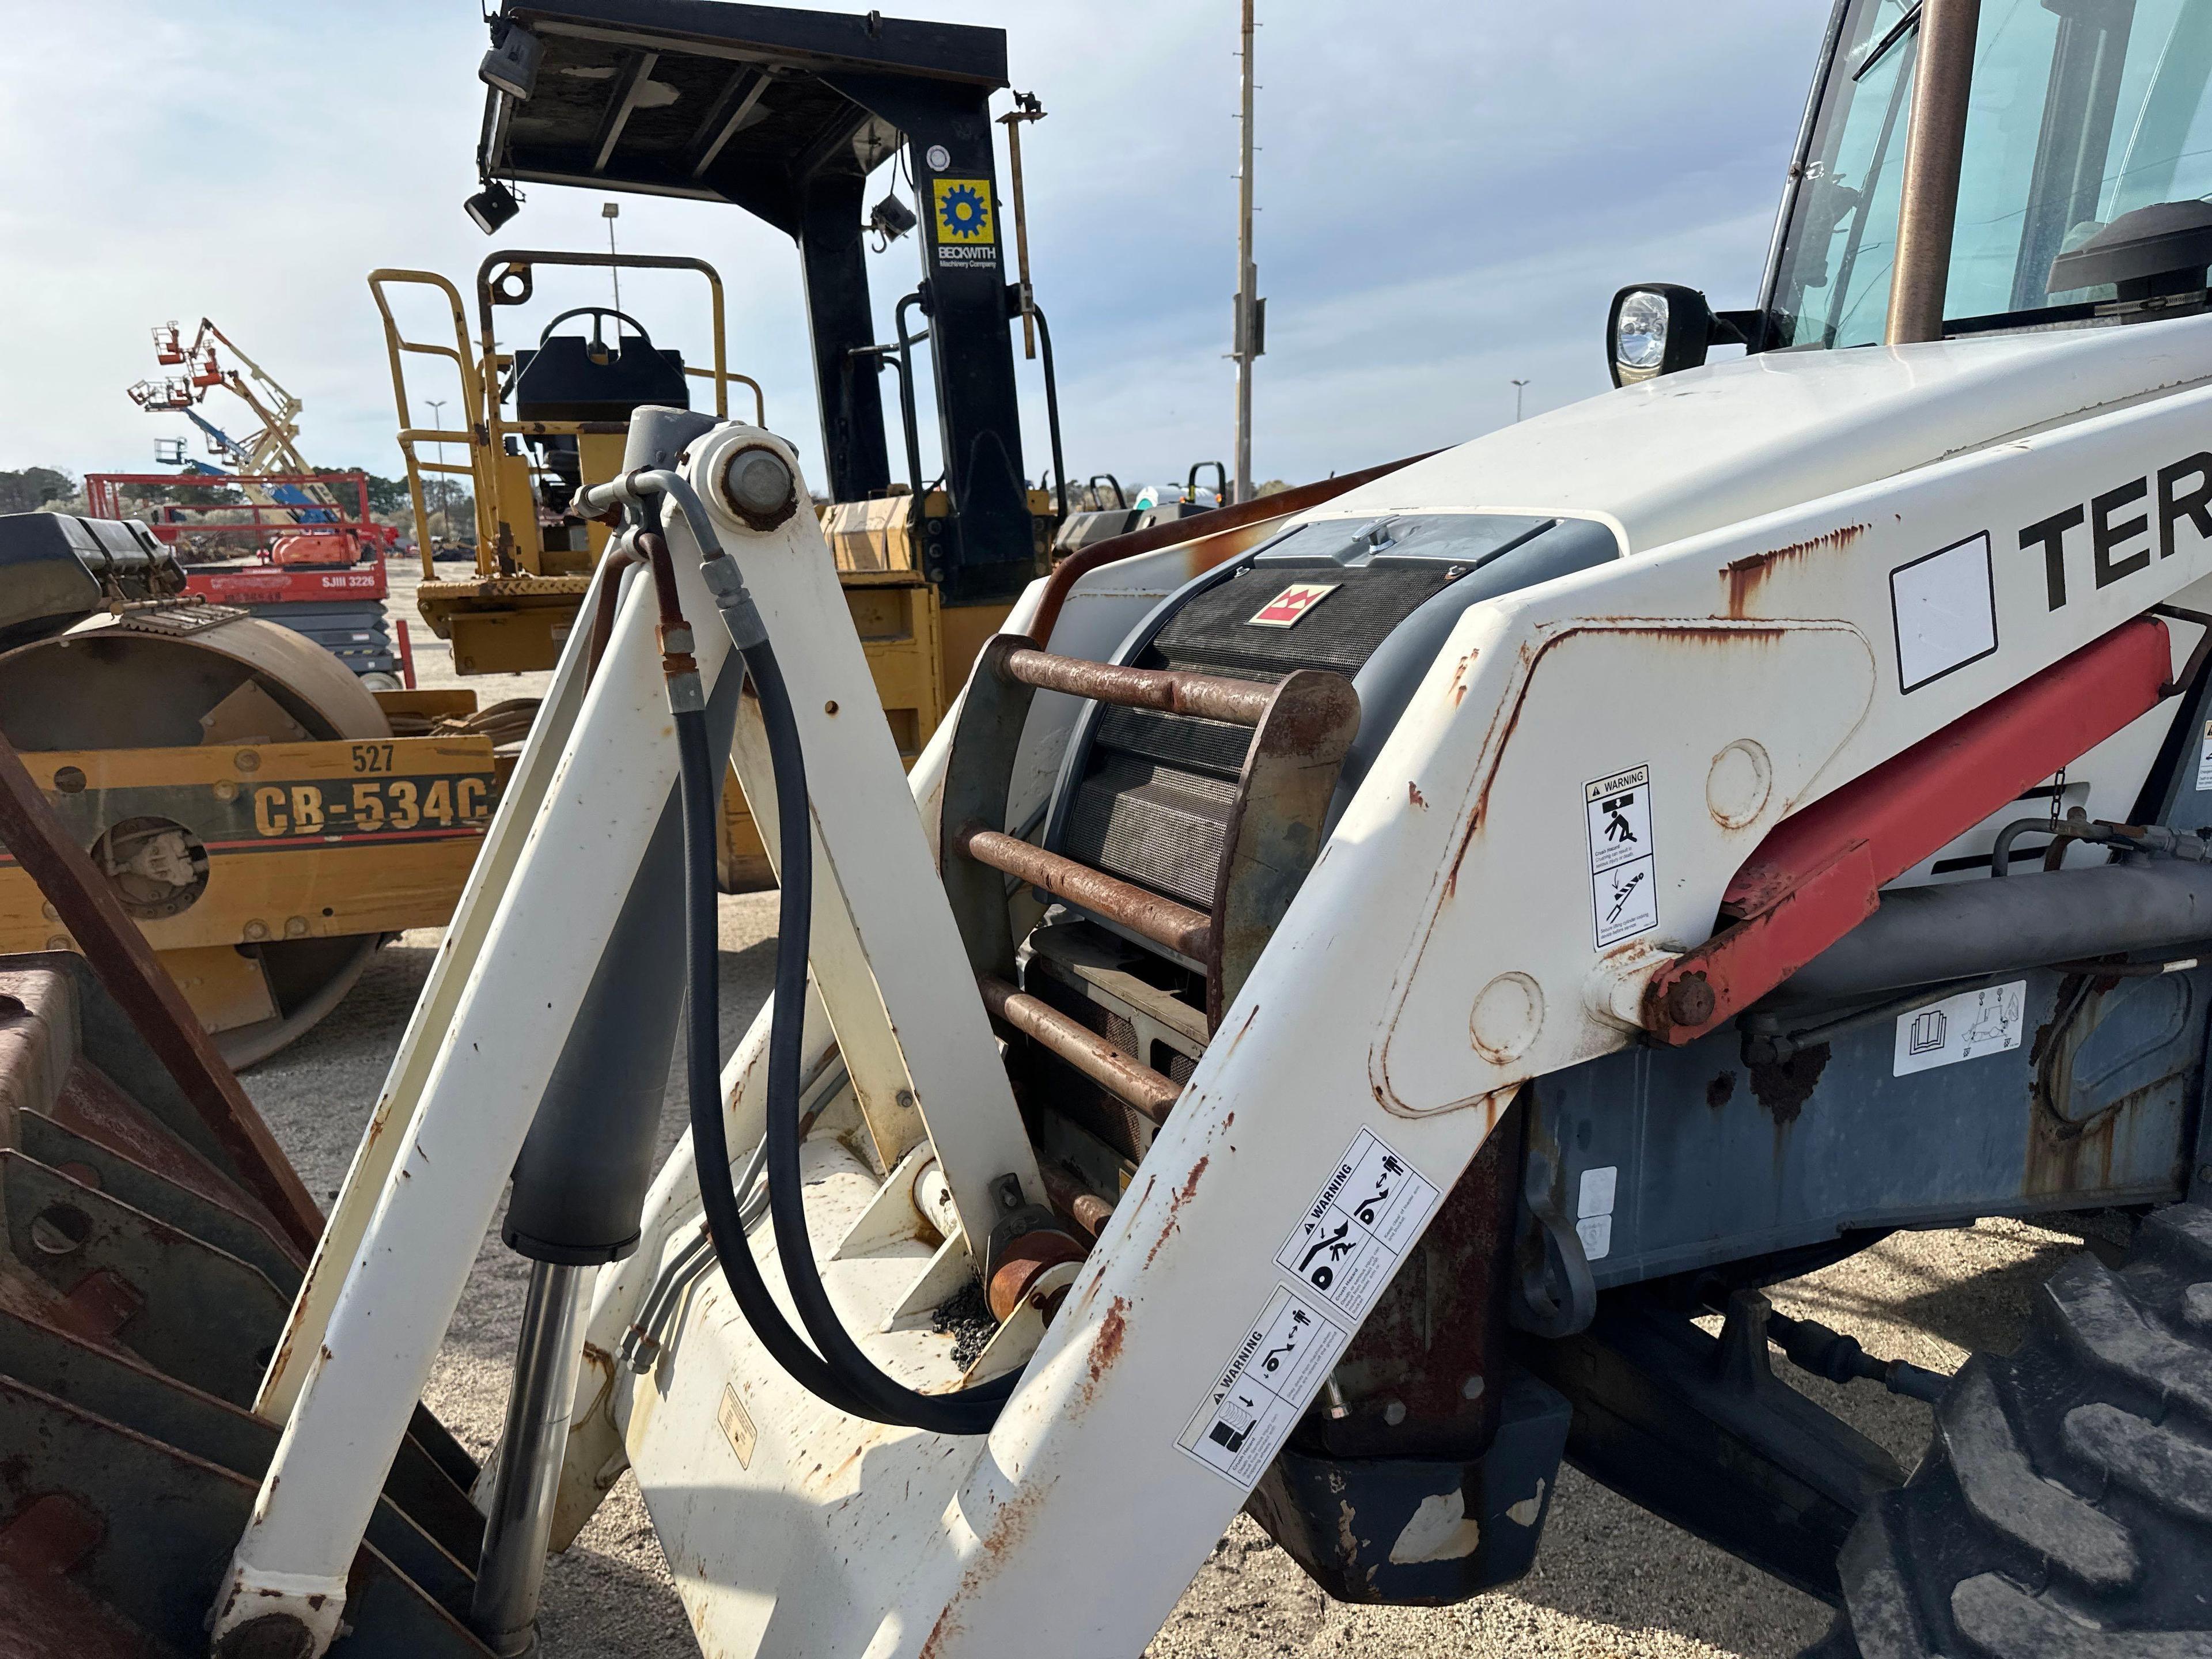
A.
pixel 515 613
pixel 513 616
pixel 403 816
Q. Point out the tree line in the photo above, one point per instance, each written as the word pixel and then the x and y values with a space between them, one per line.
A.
pixel 32 488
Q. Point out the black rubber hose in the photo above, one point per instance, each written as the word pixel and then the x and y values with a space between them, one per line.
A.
pixel 841 1374
pixel 970 1411
pixel 710 1146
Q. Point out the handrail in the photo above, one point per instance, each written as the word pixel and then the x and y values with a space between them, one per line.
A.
pixel 760 398
pixel 510 259
pixel 396 345
pixel 479 367
pixel 1204 696
pixel 1180 928
pixel 495 268
pixel 1129 1081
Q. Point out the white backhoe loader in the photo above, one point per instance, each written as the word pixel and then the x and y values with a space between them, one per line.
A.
pixel 1325 1017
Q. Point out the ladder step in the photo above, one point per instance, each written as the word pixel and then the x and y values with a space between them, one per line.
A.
pixel 1187 932
pixel 1133 1084
pixel 1206 696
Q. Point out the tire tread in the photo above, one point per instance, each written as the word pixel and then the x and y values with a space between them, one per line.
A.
pixel 2063 1509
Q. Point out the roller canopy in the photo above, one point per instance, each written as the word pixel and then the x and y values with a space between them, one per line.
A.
pixel 785 114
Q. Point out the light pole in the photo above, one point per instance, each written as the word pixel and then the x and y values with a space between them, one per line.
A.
pixel 1247 340
pixel 1517 385
pixel 438 422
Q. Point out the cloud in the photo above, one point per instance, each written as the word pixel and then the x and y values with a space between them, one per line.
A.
pixel 1449 195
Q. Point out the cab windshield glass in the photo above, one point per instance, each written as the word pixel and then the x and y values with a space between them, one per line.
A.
pixel 2082 111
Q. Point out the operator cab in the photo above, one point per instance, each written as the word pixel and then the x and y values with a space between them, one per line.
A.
pixel 2082 183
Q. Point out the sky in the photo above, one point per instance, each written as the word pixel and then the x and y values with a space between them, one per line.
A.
pixel 1449 197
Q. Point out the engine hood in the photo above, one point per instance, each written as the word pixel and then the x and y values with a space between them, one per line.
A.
pixel 1710 446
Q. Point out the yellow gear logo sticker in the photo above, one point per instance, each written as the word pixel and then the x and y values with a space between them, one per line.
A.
pixel 963 211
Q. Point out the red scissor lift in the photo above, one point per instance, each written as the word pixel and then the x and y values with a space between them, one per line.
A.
pixel 325 581
pixel 299 548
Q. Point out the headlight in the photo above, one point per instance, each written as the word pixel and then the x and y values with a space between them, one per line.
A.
pixel 1662 328
pixel 1640 333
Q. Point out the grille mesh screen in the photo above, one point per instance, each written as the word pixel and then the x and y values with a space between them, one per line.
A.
pixel 1178 740
pixel 1153 804
pixel 1152 823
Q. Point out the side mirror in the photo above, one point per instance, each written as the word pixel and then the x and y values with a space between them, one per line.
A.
pixel 1662 328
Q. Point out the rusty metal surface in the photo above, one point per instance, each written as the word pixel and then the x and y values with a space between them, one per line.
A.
pixel 977 773
pixel 187 1308
pixel 1434 1352
pixel 425 1521
pixel 86 905
pixel 43 1611
pixel 150 1529
pixel 1064 1186
pixel 139 1296
pixel 1023 1263
pixel 1137 1085
pixel 1091 1212
pixel 1274 830
pixel 1256 518
pixel 1162 921
pixel 224 1225
pixel 618 557
pixel 90 1105
pixel 1935 143
pixel 1205 697
pixel 1818 873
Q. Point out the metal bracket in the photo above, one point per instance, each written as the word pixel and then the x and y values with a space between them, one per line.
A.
pixel 1698 1429
pixel 1552 1292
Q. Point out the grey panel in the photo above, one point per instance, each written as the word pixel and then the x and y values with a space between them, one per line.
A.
pixel 1716 1160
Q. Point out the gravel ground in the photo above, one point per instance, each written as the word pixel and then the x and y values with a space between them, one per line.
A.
pixel 1611 1583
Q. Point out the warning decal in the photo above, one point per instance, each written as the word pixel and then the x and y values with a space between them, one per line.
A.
pixel 1347 1243
pixel 2204 759
pixel 1292 603
pixel 1257 1399
pixel 1962 1027
pixel 1624 869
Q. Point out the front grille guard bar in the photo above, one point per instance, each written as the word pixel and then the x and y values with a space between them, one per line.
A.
pixel 1302 728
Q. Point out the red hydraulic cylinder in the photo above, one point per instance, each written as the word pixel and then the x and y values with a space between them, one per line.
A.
pixel 1819 873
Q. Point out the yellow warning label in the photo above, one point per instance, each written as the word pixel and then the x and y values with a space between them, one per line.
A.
pixel 963 212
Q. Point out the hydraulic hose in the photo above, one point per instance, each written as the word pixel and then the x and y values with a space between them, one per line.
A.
pixel 710 1146
pixel 840 1373
pixel 968 1410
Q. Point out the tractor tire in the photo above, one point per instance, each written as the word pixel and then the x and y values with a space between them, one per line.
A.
pixel 2063 1509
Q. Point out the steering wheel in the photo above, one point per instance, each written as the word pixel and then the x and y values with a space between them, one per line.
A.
pixel 598 314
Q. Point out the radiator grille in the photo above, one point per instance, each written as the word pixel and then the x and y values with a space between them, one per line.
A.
pixel 1156 824
pixel 1176 1064
pixel 1153 802
pixel 1213 747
